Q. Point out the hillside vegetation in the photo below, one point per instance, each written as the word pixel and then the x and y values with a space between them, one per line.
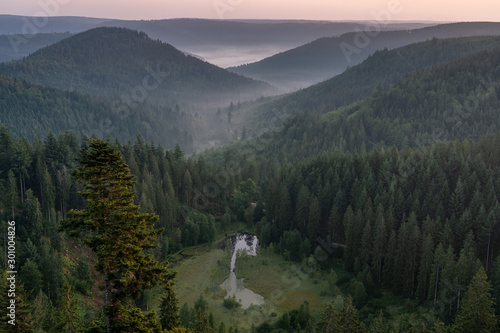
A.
pixel 326 57
pixel 454 100
pixel 126 64
pixel 34 111
pixel 379 71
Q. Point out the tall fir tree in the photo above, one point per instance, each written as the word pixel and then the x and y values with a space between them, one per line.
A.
pixel 477 313
pixel 114 228
pixel 169 309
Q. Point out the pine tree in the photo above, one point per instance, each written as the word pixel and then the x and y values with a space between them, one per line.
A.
pixel 389 272
pixel 169 309
pixel 407 255
pixel 379 243
pixel 200 322
pixel 11 197
pixel 31 277
pixel 114 228
pixel 340 318
pixel 185 315
pixel 313 219
pixel 477 313
pixel 424 272
pixel 302 210
pixel 436 271
pixel 329 319
pixel 379 324
pixel 349 320
pixel 366 244
pixel 68 312
pixel 34 214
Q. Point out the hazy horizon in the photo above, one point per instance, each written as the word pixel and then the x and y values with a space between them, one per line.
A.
pixel 322 10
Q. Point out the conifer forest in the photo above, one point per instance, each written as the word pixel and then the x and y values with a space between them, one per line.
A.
pixel 146 189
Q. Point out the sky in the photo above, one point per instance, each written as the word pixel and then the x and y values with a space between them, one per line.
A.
pixel 332 10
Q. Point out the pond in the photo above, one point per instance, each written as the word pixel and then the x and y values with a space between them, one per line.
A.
pixel 235 286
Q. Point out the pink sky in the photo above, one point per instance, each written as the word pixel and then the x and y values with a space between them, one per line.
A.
pixel 432 10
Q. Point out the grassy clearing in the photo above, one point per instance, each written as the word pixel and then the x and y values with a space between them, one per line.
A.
pixel 200 274
pixel 284 285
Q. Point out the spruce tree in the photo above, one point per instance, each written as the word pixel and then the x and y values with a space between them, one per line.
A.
pixel 329 319
pixel 112 226
pixel 379 324
pixel 169 309
pixel 379 243
pixel 477 313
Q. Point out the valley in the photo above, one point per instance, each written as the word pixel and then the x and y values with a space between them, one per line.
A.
pixel 156 189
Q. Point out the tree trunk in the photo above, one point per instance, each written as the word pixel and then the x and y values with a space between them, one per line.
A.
pixel 106 299
pixel 436 286
pixel 488 250
pixel 21 187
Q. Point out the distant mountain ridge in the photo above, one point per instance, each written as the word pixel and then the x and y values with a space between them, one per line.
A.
pixel 114 62
pixel 256 39
pixel 326 57
pixel 14 47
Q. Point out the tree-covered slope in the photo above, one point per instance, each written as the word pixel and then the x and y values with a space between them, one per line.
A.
pixel 31 110
pixel 330 56
pixel 455 100
pixel 119 62
pixel 380 70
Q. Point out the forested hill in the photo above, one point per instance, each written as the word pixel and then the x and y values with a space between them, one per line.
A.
pixel 380 70
pixel 456 100
pixel 34 111
pixel 116 62
pixel 326 57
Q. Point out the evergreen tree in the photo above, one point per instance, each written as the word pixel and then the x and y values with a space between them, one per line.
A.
pixel 169 309
pixel 343 320
pixel 351 233
pixel 379 244
pixel 329 319
pixel 10 197
pixel 185 315
pixel 477 313
pixel 31 277
pixel 200 322
pixel 437 267
pixel 424 272
pixel 379 324
pixel 389 272
pixel 69 317
pixel 495 281
pixel 349 320
pixel 114 228
pixel 302 210
pixel 34 215
pixel 366 242
pixel 313 219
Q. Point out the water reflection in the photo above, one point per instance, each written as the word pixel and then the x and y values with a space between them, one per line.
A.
pixel 234 286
